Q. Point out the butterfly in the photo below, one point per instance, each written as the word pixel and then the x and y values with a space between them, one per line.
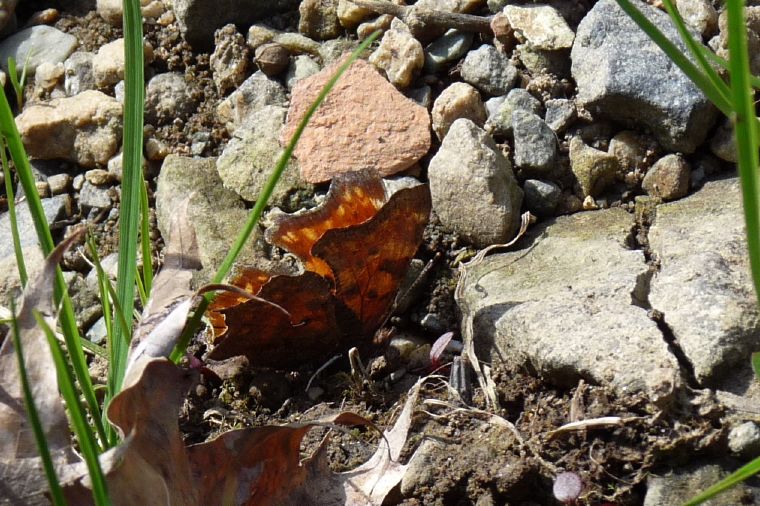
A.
pixel 355 248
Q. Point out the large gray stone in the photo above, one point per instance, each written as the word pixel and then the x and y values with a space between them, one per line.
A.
pixel 36 45
pixel 216 213
pixel 474 191
pixel 569 305
pixel 489 70
pixel 198 19
pixel 623 75
pixel 703 288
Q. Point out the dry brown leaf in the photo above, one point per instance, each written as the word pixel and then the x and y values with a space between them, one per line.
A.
pixel 22 480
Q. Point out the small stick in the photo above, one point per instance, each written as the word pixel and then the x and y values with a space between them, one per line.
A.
pixel 419 19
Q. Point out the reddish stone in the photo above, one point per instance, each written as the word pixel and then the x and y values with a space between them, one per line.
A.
pixel 363 123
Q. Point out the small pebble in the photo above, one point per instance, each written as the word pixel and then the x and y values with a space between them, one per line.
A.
pixel 272 58
pixel 59 183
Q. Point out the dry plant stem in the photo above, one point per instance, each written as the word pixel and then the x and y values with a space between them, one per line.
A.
pixel 482 371
pixel 423 18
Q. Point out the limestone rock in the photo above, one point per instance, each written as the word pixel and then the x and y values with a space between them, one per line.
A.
pixel 85 129
pixel 578 270
pixel 365 122
pixel 540 25
pixel 703 288
pixel 459 100
pixel 474 191
pixel 399 56
pixel 108 62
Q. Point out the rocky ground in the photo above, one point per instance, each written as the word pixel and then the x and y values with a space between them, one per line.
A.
pixel 616 332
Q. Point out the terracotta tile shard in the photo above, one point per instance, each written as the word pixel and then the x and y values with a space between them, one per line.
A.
pixel 363 123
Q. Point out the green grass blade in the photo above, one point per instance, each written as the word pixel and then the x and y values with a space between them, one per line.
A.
pixel 746 471
pixel 18 89
pixel 82 429
pixel 746 132
pixel 56 493
pixel 723 63
pixel 20 264
pixel 675 54
pixel 68 322
pixel 697 50
pixel 756 364
pixel 147 255
pixel 261 202
pixel 132 179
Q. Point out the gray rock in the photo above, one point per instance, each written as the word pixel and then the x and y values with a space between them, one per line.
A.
pixel 535 143
pixel 249 157
pixel 422 95
pixel 35 45
pixel 446 49
pixel 500 123
pixel 97 333
pixel 489 70
pixel 622 75
pixel 594 169
pixel 744 440
pixel 94 196
pixel 77 71
pixel 682 484
pixel 541 197
pixel 301 67
pixel 474 191
pixel 722 143
pixel 703 288
pixel 198 19
pixel 668 178
pixel 560 114
pixel 216 213
pixel 492 105
pixel 167 96
pixel 231 60
pixel 255 93
pixel 54 208
pixel 578 270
